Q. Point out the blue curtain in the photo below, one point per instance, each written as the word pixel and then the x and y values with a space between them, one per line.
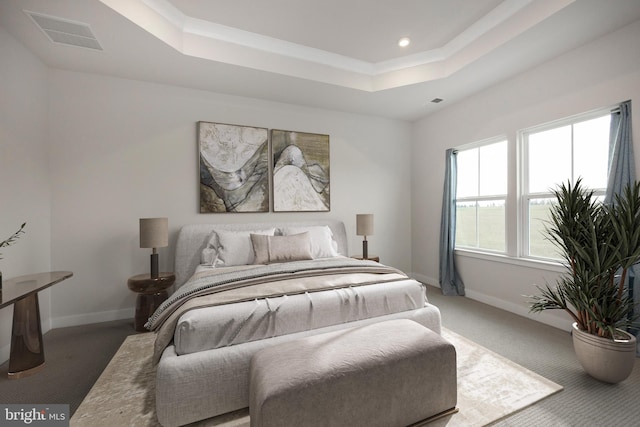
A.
pixel 450 282
pixel 622 172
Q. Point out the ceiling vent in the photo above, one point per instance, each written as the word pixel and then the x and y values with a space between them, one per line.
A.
pixel 64 31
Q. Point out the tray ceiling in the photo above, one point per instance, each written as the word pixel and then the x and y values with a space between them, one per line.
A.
pixel 336 54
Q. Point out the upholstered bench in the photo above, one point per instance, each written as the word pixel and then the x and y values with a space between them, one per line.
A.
pixel 393 373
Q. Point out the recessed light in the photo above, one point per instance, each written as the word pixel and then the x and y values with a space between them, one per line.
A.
pixel 437 100
pixel 404 42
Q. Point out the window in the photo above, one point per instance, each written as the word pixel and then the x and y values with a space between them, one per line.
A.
pixel 481 196
pixel 564 151
pixel 491 219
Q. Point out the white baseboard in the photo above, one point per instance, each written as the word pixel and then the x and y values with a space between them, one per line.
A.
pixel 88 318
pixel 556 322
pixel 545 318
pixel 426 279
pixel 75 320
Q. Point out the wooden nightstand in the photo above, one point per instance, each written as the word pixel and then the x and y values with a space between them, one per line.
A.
pixel 151 293
pixel 375 258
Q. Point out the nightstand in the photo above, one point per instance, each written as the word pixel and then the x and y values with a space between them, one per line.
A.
pixel 375 258
pixel 151 293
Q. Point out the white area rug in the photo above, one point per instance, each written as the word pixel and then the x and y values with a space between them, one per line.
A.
pixel 490 387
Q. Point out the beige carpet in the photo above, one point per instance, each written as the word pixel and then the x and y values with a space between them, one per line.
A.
pixel 490 387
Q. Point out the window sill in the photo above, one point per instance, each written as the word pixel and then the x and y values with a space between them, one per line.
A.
pixel 506 259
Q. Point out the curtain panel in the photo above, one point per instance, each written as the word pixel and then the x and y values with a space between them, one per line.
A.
pixel 450 281
pixel 622 172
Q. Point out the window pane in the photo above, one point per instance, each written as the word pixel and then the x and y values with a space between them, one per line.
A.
pixel 591 151
pixel 549 159
pixel 539 245
pixel 467 173
pixel 493 169
pixel 491 225
pixel 466 231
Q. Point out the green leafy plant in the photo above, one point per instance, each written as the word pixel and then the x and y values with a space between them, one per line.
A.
pixel 12 239
pixel 598 243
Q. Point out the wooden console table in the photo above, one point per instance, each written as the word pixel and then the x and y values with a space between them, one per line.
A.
pixel 27 351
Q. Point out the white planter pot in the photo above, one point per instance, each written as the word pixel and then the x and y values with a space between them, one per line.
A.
pixel 605 359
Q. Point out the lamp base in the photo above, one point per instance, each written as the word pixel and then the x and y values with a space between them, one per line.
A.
pixel 154 266
pixel 365 249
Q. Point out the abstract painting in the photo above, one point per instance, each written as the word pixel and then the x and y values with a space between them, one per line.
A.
pixel 300 171
pixel 234 168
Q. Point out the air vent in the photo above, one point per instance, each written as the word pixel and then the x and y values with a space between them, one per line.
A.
pixel 64 31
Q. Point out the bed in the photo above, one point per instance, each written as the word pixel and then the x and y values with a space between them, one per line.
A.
pixel 243 287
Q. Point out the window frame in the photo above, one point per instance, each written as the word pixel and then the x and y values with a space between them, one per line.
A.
pixel 517 220
pixel 524 196
pixel 478 199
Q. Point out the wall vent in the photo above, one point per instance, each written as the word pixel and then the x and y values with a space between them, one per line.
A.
pixel 64 31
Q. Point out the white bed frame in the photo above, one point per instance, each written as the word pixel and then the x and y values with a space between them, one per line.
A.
pixel 193 238
pixel 206 384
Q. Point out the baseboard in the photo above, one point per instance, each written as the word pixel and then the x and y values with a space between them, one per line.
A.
pixel 88 318
pixel 544 318
pixel 426 279
pixel 548 319
pixel 75 320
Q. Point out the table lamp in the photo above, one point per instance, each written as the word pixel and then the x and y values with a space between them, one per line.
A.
pixel 154 233
pixel 364 227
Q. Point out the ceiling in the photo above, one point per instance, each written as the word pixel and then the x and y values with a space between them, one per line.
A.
pixel 336 54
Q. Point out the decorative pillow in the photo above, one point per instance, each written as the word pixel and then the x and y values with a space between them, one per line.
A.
pixel 235 248
pixel 271 249
pixel 209 254
pixel 321 236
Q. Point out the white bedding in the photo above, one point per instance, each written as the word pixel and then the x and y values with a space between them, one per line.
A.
pixel 213 327
pixel 204 381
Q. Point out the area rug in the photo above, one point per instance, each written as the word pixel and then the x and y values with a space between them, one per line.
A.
pixel 490 387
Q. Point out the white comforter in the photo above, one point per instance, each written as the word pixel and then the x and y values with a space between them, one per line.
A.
pixel 292 278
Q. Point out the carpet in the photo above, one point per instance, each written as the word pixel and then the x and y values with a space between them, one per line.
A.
pixel 490 387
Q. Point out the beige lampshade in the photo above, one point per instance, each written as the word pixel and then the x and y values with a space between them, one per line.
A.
pixel 364 224
pixel 154 232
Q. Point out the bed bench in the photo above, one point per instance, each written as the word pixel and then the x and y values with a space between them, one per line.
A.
pixel 393 373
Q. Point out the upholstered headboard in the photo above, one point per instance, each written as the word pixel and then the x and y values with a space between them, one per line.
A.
pixel 193 238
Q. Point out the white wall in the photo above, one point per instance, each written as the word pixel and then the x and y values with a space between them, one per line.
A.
pixel 123 149
pixel 25 193
pixel 600 74
pixel 84 156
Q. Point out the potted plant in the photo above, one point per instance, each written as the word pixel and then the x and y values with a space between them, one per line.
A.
pixel 599 244
pixel 9 242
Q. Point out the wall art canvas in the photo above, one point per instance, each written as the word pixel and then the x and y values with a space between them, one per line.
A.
pixel 234 168
pixel 300 171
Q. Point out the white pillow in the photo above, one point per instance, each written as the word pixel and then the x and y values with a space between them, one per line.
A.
pixel 321 236
pixel 209 255
pixel 234 247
